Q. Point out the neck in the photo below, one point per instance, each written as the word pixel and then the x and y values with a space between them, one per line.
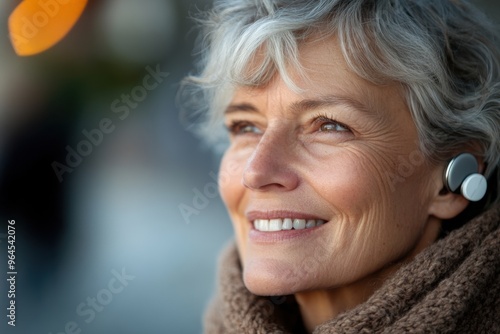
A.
pixel 319 306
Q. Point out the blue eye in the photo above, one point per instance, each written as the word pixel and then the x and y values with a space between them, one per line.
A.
pixel 242 127
pixel 333 127
pixel 328 125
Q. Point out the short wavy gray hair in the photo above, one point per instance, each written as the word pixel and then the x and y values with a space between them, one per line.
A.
pixel 442 52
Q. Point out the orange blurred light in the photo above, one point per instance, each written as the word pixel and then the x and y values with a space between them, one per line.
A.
pixel 37 25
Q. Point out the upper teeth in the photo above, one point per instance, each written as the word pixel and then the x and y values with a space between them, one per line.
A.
pixel 270 225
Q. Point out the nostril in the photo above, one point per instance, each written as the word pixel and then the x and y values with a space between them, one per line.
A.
pixel 269 167
pixel 270 179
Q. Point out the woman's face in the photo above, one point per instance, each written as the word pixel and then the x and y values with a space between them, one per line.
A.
pixel 342 159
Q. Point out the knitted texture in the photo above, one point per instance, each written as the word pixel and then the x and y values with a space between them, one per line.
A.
pixel 453 286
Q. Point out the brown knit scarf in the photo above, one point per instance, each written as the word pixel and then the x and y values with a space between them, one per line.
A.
pixel 453 286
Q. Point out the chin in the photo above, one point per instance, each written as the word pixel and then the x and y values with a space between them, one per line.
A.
pixel 262 286
pixel 264 281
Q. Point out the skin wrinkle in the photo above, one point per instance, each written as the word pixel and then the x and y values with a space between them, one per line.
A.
pixel 415 59
pixel 340 176
pixel 378 186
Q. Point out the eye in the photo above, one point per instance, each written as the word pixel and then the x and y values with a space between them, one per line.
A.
pixel 328 125
pixel 242 127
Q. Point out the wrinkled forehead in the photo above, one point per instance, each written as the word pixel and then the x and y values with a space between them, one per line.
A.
pixel 321 75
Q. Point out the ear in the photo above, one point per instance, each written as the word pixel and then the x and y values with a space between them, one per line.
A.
pixel 444 204
pixel 447 205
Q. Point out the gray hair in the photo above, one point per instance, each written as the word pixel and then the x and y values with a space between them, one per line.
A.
pixel 443 53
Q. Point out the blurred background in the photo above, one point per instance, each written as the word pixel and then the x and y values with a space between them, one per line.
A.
pixel 102 178
pixel 119 208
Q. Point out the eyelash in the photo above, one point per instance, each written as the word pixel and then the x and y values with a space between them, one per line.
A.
pixel 322 119
pixel 237 127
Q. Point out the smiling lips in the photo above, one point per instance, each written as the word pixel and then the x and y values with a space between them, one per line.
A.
pixel 278 224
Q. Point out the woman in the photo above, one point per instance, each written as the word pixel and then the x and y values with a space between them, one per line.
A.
pixel 359 134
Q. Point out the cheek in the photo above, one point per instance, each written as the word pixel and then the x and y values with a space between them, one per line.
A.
pixel 369 182
pixel 232 192
pixel 351 183
pixel 230 175
pixel 370 228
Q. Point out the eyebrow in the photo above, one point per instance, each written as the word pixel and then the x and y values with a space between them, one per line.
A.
pixel 327 101
pixel 308 104
pixel 247 107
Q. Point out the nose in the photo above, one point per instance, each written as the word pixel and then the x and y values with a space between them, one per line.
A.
pixel 269 167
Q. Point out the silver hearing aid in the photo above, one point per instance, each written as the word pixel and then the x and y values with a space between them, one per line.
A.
pixel 461 176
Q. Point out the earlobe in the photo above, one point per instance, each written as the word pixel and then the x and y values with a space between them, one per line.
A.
pixel 447 205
